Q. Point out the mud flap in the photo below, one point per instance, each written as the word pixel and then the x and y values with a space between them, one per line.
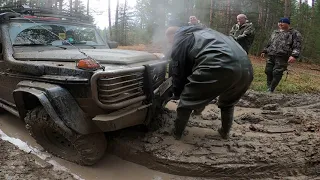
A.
pixel 58 102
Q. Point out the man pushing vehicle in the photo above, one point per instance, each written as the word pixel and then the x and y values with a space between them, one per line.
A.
pixel 206 64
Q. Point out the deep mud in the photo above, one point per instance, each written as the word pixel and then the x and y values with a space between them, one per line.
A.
pixel 273 136
pixel 16 164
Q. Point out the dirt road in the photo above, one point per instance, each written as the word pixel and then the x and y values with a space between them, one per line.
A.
pixel 274 136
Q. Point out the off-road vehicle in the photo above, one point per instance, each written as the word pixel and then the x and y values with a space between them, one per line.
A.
pixel 69 86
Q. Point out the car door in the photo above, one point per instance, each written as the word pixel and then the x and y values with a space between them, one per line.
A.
pixel 8 81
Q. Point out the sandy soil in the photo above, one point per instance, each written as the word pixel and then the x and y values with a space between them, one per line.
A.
pixel 273 136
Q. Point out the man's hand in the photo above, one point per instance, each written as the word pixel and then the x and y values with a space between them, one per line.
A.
pixel 263 55
pixel 292 59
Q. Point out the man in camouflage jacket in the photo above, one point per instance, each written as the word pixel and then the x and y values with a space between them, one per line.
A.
pixel 243 32
pixel 283 47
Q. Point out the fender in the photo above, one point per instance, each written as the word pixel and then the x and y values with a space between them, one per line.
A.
pixel 59 104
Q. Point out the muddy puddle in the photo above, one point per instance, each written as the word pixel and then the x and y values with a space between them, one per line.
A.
pixel 109 168
pixel 273 136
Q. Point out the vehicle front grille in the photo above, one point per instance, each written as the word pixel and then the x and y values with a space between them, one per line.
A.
pixel 119 88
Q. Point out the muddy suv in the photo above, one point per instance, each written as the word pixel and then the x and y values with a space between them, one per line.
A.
pixel 60 77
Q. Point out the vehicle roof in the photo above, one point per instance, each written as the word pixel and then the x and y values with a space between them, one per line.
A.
pixel 51 21
pixel 40 14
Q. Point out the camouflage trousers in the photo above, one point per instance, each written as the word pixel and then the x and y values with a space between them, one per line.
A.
pixel 275 67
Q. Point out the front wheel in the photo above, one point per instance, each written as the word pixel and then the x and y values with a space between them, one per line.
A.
pixel 81 149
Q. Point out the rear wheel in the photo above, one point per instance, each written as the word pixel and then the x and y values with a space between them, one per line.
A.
pixel 81 149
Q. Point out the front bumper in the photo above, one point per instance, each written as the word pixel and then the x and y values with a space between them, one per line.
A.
pixel 134 114
pixel 137 109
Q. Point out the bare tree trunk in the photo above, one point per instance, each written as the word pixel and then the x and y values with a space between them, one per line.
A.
pixel 88 7
pixel 267 14
pixel 117 21
pixel 227 17
pixel 60 5
pixel 287 8
pixel 188 7
pixel 55 4
pixel 76 6
pixel 260 12
pixel 109 14
pixel 38 3
pixel 70 5
pixel 300 2
pixel 49 4
pixel 312 15
pixel 124 23
pixel 211 14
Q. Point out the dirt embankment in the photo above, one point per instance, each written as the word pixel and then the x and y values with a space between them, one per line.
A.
pixel 273 136
pixel 16 164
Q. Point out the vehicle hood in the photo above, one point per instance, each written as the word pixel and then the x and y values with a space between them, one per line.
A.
pixel 104 56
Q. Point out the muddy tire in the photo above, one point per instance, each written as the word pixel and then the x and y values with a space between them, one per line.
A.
pixel 77 148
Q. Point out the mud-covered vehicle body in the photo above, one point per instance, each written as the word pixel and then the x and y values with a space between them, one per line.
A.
pixel 66 99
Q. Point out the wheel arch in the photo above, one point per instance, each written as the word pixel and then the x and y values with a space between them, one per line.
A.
pixel 57 101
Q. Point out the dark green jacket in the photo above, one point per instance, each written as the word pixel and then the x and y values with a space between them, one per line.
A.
pixel 244 35
pixel 196 48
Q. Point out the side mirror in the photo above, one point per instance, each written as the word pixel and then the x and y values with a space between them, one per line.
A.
pixel 112 44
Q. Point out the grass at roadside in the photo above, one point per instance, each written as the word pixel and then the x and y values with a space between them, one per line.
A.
pixel 302 77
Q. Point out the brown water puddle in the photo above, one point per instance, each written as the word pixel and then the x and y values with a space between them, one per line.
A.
pixel 110 167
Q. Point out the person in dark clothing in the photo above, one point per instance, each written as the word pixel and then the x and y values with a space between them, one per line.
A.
pixel 283 47
pixel 207 64
pixel 243 32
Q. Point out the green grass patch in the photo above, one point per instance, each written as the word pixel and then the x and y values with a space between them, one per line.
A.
pixel 298 81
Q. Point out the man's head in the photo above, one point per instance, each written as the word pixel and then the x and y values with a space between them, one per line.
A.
pixel 241 19
pixel 170 33
pixel 284 24
pixel 193 20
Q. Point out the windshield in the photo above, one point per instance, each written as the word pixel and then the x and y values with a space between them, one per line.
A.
pixel 24 34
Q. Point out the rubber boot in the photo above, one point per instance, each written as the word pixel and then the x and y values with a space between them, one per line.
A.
pixel 275 82
pixel 181 121
pixel 226 122
pixel 269 80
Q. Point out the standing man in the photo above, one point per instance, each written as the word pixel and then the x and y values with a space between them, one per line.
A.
pixel 206 64
pixel 283 47
pixel 193 21
pixel 243 32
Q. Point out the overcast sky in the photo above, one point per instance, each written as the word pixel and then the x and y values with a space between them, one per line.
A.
pixel 99 9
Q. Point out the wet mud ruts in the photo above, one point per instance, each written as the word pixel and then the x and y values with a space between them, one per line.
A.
pixel 273 136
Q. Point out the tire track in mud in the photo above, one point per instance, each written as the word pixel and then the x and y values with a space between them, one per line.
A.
pixel 273 136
